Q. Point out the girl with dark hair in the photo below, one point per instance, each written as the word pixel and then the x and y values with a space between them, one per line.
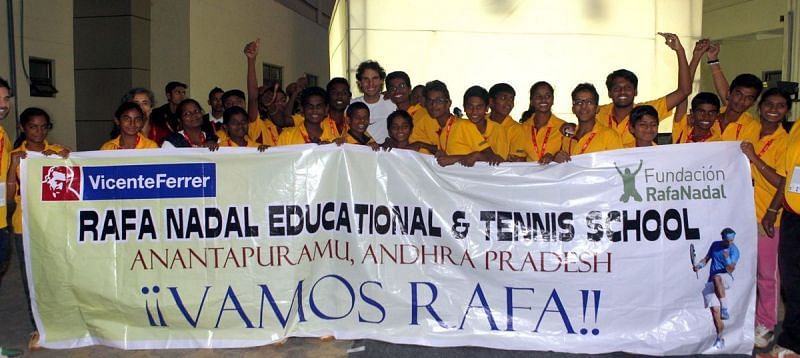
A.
pixel 191 133
pixel 128 122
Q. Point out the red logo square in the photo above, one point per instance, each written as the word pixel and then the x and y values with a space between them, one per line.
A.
pixel 61 183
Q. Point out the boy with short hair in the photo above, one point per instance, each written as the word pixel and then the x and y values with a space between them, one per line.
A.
pixel 338 99
pixel 501 102
pixel 590 136
pixel 475 139
pixel 735 123
pixel 358 118
pixel 261 130
pixel 314 103
pixel 700 124
pixel 398 90
pixel 213 119
pixel 235 123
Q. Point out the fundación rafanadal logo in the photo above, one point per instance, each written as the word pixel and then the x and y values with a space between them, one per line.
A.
pixel 704 183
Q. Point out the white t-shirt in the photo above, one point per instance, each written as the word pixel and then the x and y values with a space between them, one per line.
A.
pixel 378 112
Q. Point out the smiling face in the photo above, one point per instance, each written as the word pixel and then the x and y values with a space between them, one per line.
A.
pixel 399 90
pixel 438 105
pixel 542 99
pixel 645 129
pixel 237 126
pixel 400 129
pixel 315 109
pixel 5 102
pixel 475 109
pixel 741 98
pixel 339 97
pixel 130 122
pixel 773 109
pixel 359 120
pixel 622 92
pixel 705 115
pixel 584 106
pixel 370 83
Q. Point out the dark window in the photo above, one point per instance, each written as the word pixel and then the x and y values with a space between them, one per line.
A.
pixel 312 79
pixel 41 77
pixel 272 74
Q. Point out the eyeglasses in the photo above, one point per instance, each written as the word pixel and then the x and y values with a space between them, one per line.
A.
pixel 398 87
pixel 583 102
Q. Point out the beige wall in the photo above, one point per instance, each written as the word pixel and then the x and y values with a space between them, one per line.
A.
pixel 48 34
pixel 200 43
pixel 751 34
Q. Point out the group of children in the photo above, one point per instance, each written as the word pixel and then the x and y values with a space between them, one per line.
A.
pixel 420 119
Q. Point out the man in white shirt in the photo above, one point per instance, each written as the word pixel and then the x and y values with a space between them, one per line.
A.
pixel 370 76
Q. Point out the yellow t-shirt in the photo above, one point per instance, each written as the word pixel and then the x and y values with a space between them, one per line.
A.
pixel 605 116
pixel 327 122
pixel 299 135
pixel 772 150
pixel 746 128
pixel 792 161
pixel 682 131
pixel 349 139
pixel 497 138
pixel 142 142
pixel 528 142
pixel 413 109
pixel 5 161
pixel 426 129
pixel 463 137
pixel 227 142
pixel 16 217
pixel 601 138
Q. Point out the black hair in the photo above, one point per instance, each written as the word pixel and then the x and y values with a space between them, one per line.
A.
pixel 311 92
pixel 639 112
pixel 337 81
pixel 541 84
pixel 26 116
pixel 747 80
pixel 214 91
pixel 400 113
pixel 126 106
pixel 4 83
pixel 399 74
pixel 185 102
pixel 705 98
pixel 128 96
pixel 230 112
pixel 173 85
pixel 370 65
pixel 355 106
pixel 775 91
pixel 233 93
pixel 586 87
pixel 436 85
pixel 622 73
pixel 499 88
pixel 476 91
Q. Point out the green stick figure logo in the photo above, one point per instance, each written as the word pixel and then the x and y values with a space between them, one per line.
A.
pixel 629 183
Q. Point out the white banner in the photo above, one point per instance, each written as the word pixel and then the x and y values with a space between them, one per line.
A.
pixel 240 248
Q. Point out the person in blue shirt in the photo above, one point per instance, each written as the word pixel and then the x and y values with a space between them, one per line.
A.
pixel 723 256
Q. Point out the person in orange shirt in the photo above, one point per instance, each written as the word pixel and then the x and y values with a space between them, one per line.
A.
pixel 622 88
pixel 358 117
pixel 36 124
pixel 537 138
pixel 129 119
pixel 590 136
pixel 398 90
pixel 501 103
pixel 433 126
pixel 314 102
pixel 417 96
pixel 339 96
pixel 700 125
pixel 643 126
pixel 764 156
pixel 234 123
pixel 475 139
pixel 401 124
pixel 735 123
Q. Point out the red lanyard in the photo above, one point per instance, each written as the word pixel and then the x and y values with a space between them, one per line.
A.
pixel 448 127
pixel 585 145
pixel 202 138
pixel 536 145
pixel 766 147
pixel 705 138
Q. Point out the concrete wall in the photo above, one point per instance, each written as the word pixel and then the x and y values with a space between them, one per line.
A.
pixel 200 43
pixel 48 34
pixel 751 33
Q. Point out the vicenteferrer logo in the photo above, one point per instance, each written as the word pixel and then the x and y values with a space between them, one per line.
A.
pixel 61 183
pixel 151 181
